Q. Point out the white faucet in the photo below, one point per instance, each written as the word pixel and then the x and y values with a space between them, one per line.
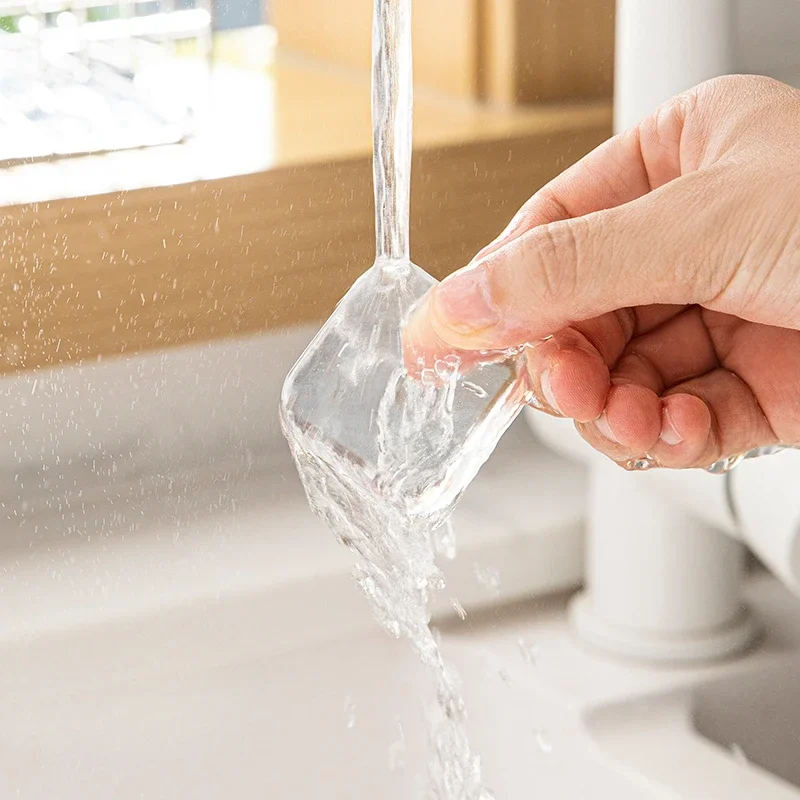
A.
pixel 666 550
pixel 664 47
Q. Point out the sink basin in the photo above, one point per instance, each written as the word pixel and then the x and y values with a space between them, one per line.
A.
pixel 757 716
pixel 198 704
pixel 179 626
pixel 246 728
pixel 729 732
pixel 175 624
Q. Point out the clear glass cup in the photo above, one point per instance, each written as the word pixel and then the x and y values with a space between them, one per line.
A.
pixel 375 446
pixel 413 443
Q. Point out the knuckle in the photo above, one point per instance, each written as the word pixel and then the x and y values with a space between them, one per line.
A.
pixel 554 257
pixel 736 86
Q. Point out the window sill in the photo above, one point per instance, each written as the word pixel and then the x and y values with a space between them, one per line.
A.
pixel 264 223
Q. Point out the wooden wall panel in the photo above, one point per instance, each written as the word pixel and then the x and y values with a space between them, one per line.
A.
pixel 565 49
pixel 548 50
pixel 506 51
pixel 446 44
pixel 102 276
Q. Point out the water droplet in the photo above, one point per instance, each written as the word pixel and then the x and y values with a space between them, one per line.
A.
pixel 427 377
pixel 478 391
pixel 488 577
pixel 543 741
pixel 739 755
pixel 444 540
pixel 13 353
pixel 639 464
pixel 349 713
pixel 530 651
pixel 505 677
pixel 533 401
pixel 445 368
pixel 397 749
pixel 458 608
pixel 726 464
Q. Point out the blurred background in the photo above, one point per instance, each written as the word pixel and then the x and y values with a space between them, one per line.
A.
pixel 185 193
pixel 90 76
pixel 99 98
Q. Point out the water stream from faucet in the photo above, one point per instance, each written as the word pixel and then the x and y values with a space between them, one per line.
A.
pixel 369 442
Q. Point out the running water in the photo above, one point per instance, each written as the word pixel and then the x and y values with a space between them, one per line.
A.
pixel 383 457
pixel 397 572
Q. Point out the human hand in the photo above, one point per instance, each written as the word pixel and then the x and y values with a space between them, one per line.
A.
pixel 666 264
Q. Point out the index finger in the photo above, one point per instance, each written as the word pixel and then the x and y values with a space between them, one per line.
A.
pixel 621 170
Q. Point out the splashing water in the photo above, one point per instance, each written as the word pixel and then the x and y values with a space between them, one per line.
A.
pixel 445 540
pixel 458 608
pixel 349 713
pixel 396 567
pixel 384 457
pixel 397 749
pixel 488 577
pixel 530 652
pixel 543 741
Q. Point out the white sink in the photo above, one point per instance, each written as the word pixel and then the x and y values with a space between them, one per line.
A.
pixel 170 633
pixel 757 716
pixel 213 701
pixel 174 623
pixel 202 704
pixel 729 732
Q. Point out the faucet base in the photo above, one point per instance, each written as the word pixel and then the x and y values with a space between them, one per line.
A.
pixel 661 584
pixel 685 647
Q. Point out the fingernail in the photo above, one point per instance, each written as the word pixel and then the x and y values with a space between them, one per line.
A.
pixel 547 391
pixel 464 303
pixel 669 434
pixel 605 429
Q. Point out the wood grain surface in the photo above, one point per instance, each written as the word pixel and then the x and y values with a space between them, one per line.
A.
pixel 506 51
pixel 131 271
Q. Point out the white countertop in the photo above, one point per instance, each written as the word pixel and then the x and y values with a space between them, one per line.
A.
pixel 156 480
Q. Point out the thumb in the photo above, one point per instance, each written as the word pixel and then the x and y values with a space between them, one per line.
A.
pixel 653 250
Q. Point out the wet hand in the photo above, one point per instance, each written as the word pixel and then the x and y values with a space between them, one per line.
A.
pixel 665 268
